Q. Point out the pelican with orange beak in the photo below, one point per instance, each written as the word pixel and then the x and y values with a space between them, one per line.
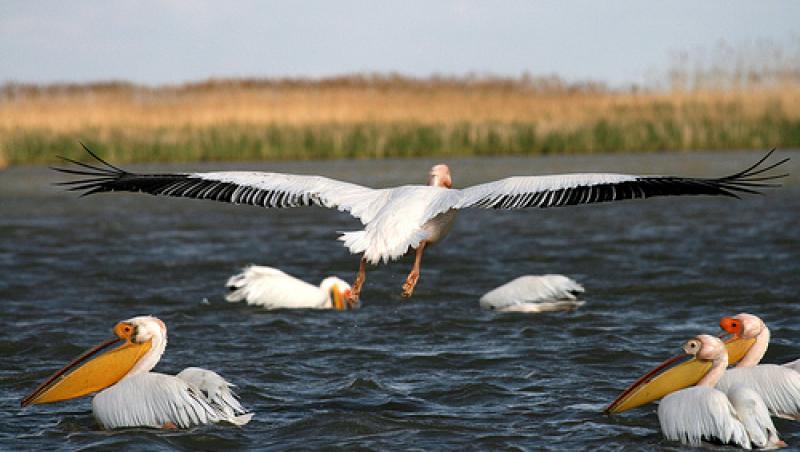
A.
pixel 700 413
pixel 130 395
pixel 778 385
pixel 273 289
pixel 668 377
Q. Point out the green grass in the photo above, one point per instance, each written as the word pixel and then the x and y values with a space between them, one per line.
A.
pixel 373 140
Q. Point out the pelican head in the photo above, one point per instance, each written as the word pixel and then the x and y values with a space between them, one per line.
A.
pixel 704 347
pixel 140 342
pixel 678 372
pixel 747 327
pixel 743 325
pixel 440 176
pixel 339 292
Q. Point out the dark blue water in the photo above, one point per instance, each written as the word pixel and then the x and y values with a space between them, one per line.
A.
pixel 435 372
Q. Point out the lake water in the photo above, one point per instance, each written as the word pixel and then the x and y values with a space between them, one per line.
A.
pixel 435 372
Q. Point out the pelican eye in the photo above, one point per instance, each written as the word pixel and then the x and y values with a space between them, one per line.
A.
pixel 691 346
pixel 125 331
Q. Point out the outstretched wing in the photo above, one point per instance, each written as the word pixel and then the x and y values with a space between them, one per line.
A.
pixel 270 190
pixel 571 189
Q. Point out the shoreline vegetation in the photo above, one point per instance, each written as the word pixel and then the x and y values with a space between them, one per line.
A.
pixel 378 116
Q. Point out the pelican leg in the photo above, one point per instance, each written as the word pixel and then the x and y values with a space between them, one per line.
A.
pixel 413 277
pixel 360 278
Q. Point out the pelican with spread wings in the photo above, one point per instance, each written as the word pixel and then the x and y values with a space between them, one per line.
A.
pixel 410 217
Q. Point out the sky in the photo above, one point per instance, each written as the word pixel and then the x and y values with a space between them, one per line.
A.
pixel 173 41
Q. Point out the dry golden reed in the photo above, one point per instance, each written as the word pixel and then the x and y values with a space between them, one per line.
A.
pixel 384 116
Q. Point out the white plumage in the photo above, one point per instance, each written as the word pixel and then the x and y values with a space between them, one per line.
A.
pixel 157 400
pixel 534 294
pixel 273 289
pixel 217 392
pixel 704 413
pixel 693 414
pixel 402 222
pixel 128 394
pixel 150 399
pixel 778 385
pixel 408 217
pixel 395 218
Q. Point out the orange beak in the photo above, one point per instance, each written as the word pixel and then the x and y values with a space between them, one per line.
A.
pixel 672 375
pixel 94 370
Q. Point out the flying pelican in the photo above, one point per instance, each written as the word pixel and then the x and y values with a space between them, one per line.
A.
pixel 274 289
pixel 132 396
pixel 534 294
pixel 778 385
pixel 409 217
pixel 701 412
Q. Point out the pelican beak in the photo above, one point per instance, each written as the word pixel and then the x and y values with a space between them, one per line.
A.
pixel 674 374
pixel 352 302
pixel 337 299
pixel 737 347
pixel 94 370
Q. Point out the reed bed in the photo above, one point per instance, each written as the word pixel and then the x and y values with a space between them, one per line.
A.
pixel 384 116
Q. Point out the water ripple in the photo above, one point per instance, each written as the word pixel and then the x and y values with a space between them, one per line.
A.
pixel 431 373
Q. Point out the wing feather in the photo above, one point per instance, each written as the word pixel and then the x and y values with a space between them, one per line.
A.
pixel 217 393
pixel 274 289
pixel 779 386
pixel 700 413
pixel 533 290
pixel 152 400
pixel 754 415
pixel 269 190
pixel 571 189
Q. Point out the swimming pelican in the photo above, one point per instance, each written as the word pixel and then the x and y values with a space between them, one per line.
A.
pixel 274 289
pixel 662 380
pixel 701 412
pixel 410 217
pixel 778 385
pixel 534 294
pixel 132 396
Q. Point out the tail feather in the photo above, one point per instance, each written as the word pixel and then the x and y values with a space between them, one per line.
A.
pixel 218 394
pixel 377 249
pixel 355 241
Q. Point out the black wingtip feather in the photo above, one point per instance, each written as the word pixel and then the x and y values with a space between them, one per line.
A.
pixel 96 157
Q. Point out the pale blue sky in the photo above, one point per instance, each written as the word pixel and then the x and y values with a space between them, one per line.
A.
pixel 178 40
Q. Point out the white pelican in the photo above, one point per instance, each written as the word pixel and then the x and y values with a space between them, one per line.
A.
pixel 701 412
pixel 778 385
pixel 399 219
pixel 274 289
pixel 534 294
pixel 132 396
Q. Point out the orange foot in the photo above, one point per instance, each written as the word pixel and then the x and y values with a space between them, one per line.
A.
pixel 408 287
pixel 170 425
